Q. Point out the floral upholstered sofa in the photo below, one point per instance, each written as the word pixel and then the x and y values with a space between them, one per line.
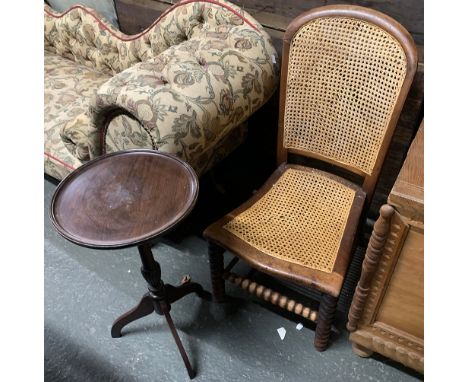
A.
pixel 185 85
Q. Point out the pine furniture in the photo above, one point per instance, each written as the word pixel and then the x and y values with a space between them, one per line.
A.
pixel 124 199
pixel 387 312
pixel 346 72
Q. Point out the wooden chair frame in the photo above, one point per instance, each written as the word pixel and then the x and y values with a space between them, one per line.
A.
pixel 329 284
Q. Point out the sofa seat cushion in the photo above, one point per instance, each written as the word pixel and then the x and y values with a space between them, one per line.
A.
pixel 67 90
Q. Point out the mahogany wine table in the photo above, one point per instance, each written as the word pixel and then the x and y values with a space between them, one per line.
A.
pixel 130 198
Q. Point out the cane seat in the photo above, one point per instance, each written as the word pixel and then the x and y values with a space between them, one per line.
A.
pixel 302 218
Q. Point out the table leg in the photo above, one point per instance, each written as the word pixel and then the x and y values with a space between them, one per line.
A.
pixel 158 300
pixel 144 307
pixel 177 340
pixel 176 293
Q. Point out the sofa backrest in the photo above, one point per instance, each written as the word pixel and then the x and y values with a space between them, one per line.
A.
pixel 82 35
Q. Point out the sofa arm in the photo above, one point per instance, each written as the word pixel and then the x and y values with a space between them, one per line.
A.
pixel 79 136
pixel 218 66
pixel 186 99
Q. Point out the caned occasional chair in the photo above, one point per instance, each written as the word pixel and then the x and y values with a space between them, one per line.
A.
pixel 346 72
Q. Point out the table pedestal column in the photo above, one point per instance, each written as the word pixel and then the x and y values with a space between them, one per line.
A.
pixel 158 299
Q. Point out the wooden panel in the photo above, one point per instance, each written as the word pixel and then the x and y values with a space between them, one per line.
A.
pixel 410 13
pixel 136 15
pixel 407 194
pixel 403 304
pixel 411 179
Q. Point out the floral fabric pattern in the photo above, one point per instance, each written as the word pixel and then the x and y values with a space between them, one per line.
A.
pixel 182 86
pixel 67 90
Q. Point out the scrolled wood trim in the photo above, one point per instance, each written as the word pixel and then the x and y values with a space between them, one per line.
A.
pixel 391 334
pixel 373 253
pixel 391 348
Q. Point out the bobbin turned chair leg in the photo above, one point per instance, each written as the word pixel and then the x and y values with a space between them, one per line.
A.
pixel 326 315
pixel 215 253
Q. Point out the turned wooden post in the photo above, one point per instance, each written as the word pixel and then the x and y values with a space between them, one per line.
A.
pixel 215 253
pixel 374 251
pixel 326 314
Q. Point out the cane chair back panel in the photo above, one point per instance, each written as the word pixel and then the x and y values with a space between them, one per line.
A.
pixel 344 77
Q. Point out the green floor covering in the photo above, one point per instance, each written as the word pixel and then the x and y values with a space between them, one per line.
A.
pixel 85 290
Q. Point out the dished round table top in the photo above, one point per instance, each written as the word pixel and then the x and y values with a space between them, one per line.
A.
pixel 123 199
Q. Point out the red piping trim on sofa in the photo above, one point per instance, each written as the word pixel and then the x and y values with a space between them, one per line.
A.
pixel 60 161
pixel 134 37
